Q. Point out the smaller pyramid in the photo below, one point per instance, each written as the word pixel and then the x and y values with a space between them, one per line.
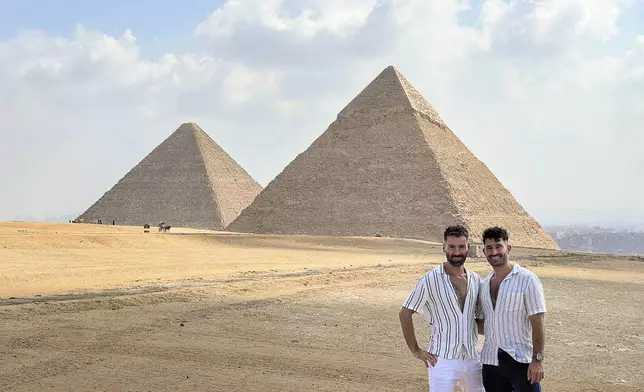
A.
pixel 187 181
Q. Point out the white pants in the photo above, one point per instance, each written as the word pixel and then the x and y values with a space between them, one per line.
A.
pixel 448 373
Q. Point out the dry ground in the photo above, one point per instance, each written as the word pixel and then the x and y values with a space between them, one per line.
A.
pixel 100 308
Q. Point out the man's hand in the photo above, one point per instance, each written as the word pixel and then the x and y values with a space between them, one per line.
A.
pixel 535 371
pixel 429 359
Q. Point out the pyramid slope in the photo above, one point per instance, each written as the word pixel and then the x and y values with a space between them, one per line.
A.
pixel 233 187
pixel 388 163
pixel 481 199
pixel 187 181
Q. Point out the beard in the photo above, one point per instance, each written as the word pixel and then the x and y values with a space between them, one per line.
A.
pixel 456 261
pixel 497 260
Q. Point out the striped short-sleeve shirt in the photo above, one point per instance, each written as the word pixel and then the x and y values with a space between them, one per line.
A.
pixel 507 325
pixel 454 332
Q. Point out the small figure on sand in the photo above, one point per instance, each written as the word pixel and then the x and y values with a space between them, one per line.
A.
pixel 163 227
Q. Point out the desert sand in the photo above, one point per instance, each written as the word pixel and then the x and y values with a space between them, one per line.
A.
pixel 110 308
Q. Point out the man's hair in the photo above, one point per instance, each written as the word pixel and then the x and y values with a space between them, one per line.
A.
pixel 495 233
pixel 456 231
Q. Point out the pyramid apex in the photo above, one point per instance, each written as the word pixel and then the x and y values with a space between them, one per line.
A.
pixel 392 72
pixel 189 126
pixel 391 90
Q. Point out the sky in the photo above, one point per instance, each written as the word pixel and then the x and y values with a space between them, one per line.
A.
pixel 549 94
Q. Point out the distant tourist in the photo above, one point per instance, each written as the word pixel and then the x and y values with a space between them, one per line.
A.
pixel 447 296
pixel 513 307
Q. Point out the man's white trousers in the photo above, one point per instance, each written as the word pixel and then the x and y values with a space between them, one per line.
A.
pixel 447 373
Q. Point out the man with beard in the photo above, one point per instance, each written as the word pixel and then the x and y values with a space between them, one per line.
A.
pixel 448 298
pixel 513 307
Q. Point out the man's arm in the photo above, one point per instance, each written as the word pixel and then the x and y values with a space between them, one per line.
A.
pixel 407 323
pixel 535 304
pixel 538 332
pixel 535 369
pixel 479 316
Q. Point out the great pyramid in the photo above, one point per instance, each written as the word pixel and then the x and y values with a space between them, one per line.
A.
pixel 388 163
pixel 187 181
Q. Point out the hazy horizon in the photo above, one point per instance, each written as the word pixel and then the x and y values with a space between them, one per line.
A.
pixel 616 219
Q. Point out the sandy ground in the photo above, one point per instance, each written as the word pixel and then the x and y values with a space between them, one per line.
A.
pixel 100 308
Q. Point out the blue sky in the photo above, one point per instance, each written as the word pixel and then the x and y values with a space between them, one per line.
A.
pixel 168 26
pixel 163 19
pixel 160 26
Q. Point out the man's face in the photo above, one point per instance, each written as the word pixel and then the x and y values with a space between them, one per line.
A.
pixel 496 252
pixel 455 250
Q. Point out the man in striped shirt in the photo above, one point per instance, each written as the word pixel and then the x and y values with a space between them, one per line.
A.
pixel 513 307
pixel 447 296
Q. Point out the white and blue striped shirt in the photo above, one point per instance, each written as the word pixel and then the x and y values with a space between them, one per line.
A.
pixel 507 326
pixel 454 333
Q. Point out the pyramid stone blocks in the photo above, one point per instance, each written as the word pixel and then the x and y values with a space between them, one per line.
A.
pixel 388 163
pixel 186 181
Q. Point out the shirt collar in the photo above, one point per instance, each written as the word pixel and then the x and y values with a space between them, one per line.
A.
pixel 515 270
pixel 442 269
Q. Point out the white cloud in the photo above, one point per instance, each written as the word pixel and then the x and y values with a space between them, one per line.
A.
pixel 241 84
pixel 541 91
pixel 79 112
pixel 313 17
pixel 553 23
